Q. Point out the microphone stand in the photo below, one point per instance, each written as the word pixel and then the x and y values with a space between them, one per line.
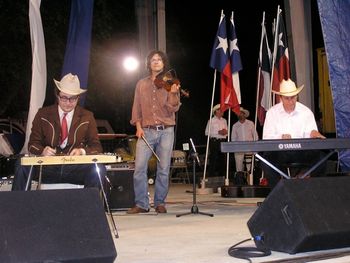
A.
pixel 194 208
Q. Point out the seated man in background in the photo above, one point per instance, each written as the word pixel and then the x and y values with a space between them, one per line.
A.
pixel 243 130
pixel 289 119
pixel 63 129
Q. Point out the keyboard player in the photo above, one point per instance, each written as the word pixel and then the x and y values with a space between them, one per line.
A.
pixel 64 128
pixel 290 119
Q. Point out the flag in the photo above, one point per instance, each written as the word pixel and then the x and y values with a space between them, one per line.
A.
pixel 236 64
pixel 77 54
pixel 39 72
pixel 265 76
pixel 220 60
pixel 281 69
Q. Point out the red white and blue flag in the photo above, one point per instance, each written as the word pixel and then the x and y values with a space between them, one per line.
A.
pixel 220 60
pixel 236 64
pixel 281 68
pixel 264 98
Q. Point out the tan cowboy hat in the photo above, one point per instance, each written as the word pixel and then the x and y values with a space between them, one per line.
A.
pixel 245 112
pixel 288 88
pixel 70 84
pixel 215 108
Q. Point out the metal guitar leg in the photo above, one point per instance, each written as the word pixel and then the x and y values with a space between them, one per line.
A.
pixel 106 201
pixel 29 179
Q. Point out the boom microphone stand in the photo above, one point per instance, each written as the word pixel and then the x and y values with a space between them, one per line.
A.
pixel 194 209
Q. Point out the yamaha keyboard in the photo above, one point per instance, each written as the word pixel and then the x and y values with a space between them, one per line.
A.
pixel 331 144
pixel 286 145
pixel 67 159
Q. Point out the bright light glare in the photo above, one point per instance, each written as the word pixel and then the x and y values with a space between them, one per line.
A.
pixel 131 63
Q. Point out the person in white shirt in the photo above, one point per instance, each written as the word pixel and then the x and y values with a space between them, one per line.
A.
pixel 218 134
pixel 289 119
pixel 243 130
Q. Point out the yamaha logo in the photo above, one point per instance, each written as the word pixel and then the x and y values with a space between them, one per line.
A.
pixel 289 146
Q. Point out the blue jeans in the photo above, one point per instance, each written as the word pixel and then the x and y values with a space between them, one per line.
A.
pixel 162 143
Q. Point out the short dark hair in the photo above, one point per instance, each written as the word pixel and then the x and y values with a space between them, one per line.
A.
pixel 162 55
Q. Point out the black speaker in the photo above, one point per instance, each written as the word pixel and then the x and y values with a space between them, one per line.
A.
pixel 122 194
pixel 302 215
pixel 54 226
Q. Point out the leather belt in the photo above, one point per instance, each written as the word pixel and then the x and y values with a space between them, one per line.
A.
pixel 158 127
pixel 218 139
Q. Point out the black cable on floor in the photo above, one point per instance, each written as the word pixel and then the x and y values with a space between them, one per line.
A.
pixel 247 252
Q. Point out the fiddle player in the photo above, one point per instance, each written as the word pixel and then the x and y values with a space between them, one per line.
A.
pixel 153 115
pixel 290 119
pixel 63 128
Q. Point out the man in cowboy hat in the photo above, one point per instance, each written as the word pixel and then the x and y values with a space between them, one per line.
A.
pixel 218 134
pixel 289 119
pixel 243 130
pixel 68 129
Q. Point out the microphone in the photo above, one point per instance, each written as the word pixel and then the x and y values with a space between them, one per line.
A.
pixel 195 154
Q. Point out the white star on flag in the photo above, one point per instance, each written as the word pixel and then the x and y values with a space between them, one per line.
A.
pixel 222 44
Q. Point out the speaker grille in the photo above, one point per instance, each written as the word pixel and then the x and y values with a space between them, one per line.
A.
pixel 304 215
pixel 54 226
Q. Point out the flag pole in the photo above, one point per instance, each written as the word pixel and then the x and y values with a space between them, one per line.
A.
pixel 203 189
pixel 227 180
pixel 275 45
pixel 259 71
pixel 251 175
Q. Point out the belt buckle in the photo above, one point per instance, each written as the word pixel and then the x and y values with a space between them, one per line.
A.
pixel 159 127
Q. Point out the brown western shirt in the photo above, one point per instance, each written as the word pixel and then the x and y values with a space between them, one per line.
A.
pixel 154 106
pixel 46 131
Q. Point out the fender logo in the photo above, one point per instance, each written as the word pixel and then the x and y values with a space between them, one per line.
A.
pixel 68 159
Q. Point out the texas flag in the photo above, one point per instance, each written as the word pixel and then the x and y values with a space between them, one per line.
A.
pixel 264 98
pixel 236 64
pixel 281 68
pixel 220 60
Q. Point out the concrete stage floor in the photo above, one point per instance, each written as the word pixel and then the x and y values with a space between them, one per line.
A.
pixel 197 238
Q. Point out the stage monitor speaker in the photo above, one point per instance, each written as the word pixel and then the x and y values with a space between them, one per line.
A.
pixel 302 215
pixel 122 194
pixel 54 226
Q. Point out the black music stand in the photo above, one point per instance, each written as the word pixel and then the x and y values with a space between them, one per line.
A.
pixel 194 208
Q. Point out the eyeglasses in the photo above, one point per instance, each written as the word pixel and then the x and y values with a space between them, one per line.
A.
pixel 70 99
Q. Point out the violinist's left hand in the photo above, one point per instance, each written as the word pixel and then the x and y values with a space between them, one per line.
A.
pixel 175 88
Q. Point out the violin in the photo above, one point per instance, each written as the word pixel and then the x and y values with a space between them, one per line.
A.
pixel 167 79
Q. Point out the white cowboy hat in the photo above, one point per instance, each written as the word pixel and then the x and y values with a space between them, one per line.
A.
pixel 70 84
pixel 288 88
pixel 245 112
pixel 215 108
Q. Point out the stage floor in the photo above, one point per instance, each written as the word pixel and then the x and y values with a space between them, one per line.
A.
pixel 158 238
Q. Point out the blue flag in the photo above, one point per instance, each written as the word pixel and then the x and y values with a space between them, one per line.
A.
pixel 77 55
pixel 335 21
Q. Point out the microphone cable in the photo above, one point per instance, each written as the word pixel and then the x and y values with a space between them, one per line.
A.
pixel 248 252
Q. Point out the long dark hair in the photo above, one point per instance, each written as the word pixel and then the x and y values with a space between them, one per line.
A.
pixel 162 55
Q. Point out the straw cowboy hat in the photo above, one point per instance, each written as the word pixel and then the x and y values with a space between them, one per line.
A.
pixel 69 84
pixel 288 88
pixel 215 108
pixel 245 112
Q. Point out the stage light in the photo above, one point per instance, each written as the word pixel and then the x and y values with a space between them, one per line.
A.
pixel 131 63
